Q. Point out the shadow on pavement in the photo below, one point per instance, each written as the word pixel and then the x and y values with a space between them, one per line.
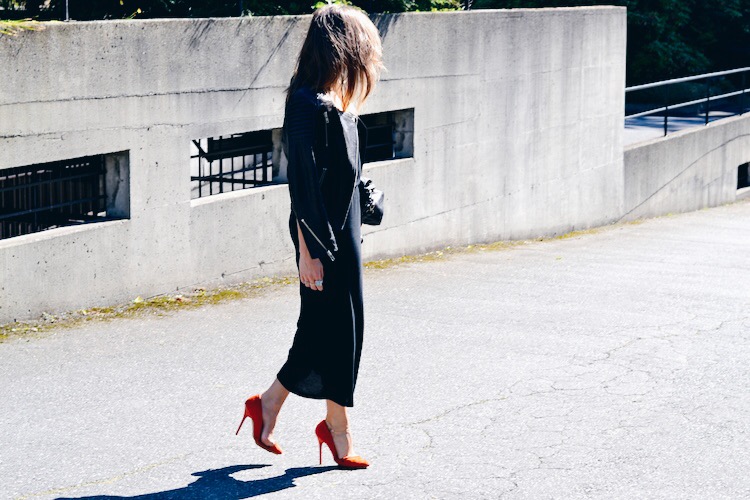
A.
pixel 219 484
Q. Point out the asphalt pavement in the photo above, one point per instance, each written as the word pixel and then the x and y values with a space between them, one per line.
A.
pixel 606 365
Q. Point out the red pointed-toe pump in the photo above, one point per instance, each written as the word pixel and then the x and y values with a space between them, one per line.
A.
pixel 348 462
pixel 254 410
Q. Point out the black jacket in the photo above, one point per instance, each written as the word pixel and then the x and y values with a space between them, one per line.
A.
pixel 323 151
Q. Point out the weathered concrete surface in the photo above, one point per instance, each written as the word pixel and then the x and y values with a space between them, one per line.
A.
pixel 611 365
pixel 517 133
pixel 687 170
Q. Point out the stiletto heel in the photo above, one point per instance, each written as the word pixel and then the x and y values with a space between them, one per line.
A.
pixel 254 410
pixel 241 422
pixel 348 462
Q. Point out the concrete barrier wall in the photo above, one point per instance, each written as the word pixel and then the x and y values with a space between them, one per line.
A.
pixel 688 170
pixel 517 132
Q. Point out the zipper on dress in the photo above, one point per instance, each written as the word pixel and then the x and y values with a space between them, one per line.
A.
pixel 356 167
pixel 328 252
pixel 322 176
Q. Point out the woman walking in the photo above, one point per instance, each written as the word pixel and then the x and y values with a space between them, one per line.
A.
pixel 337 69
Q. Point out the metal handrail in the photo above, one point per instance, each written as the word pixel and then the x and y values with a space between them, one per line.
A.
pixel 687 79
pixel 707 100
pixel 688 103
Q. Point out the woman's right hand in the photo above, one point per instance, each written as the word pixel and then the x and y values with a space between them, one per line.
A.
pixel 310 270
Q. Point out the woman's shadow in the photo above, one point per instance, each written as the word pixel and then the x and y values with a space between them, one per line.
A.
pixel 219 484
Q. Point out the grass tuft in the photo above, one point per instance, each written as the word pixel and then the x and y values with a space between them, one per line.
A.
pixel 13 27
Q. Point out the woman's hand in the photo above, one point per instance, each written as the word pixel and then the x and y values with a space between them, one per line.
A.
pixel 310 271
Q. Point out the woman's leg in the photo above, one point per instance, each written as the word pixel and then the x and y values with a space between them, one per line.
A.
pixel 271 402
pixel 338 422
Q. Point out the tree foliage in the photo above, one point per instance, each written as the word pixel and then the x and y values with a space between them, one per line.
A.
pixel 118 9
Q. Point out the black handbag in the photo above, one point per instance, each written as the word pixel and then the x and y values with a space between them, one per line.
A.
pixel 370 202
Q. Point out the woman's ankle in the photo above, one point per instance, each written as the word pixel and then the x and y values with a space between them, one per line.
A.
pixel 271 402
pixel 273 398
pixel 337 425
pixel 337 418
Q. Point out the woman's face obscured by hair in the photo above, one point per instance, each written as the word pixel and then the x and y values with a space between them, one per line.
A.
pixel 342 52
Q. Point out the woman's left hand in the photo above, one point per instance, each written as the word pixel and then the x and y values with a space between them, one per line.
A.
pixel 310 272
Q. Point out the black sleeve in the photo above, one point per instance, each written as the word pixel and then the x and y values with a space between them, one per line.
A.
pixel 304 191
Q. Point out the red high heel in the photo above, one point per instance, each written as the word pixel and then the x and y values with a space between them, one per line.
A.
pixel 254 410
pixel 348 462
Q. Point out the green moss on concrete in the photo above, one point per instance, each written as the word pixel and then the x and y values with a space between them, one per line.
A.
pixel 158 305
pixel 161 305
pixel 14 26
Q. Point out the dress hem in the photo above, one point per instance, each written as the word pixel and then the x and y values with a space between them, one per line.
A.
pixel 302 394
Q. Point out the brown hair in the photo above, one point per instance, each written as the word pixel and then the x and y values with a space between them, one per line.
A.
pixel 342 52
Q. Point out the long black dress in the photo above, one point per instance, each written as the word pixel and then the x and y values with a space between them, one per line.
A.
pixel 323 360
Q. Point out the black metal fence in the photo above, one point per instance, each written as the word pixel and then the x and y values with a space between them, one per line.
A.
pixel 240 161
pixel 725 91
pixel 237 161
pixel 47 195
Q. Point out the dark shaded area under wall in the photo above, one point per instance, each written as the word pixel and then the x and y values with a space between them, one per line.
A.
pixel 743 176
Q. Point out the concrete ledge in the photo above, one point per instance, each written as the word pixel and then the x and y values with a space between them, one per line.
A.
pixel 687 170
pixel 517 133
pixel 48 236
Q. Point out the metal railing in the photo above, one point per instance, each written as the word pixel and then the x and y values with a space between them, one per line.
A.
pixel 711 79
pixel 47 195
pixel 225 163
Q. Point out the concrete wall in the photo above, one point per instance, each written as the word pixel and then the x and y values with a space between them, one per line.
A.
pixel 517 132
pixel 685 171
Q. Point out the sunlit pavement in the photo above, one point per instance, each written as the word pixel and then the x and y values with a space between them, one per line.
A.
pixel 645 128
pixel 608 365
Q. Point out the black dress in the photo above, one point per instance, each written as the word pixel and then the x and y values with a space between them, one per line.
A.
pixel 323 360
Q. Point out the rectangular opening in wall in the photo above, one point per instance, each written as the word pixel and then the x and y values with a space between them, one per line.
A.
pixel 743 176
pixel 74 191
pixel 388 135
pixel 231 162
